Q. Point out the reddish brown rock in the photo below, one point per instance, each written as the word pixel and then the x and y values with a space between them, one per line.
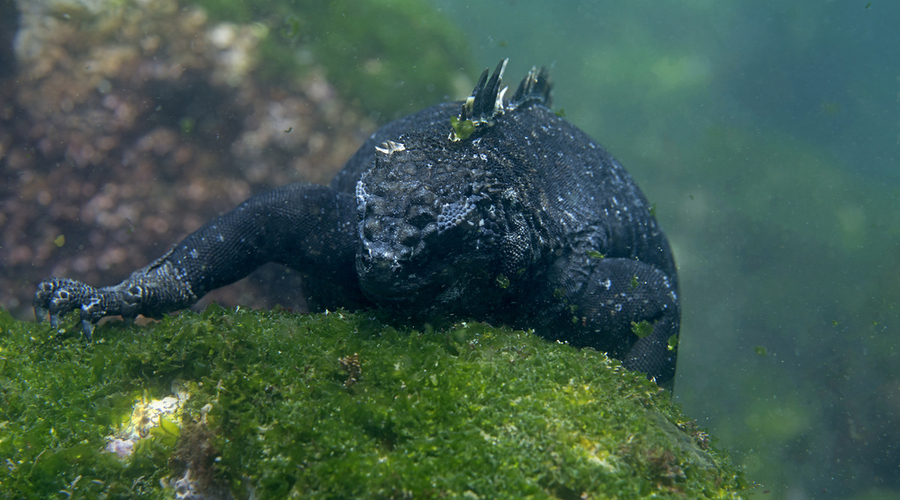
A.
pixel 121 131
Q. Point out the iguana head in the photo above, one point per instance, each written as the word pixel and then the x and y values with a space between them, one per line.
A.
pixel 440 215
pixel 433 222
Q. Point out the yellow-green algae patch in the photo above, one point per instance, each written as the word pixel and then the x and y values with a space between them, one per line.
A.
pixel 340 405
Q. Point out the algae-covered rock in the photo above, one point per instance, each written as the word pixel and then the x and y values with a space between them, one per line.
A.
pixel 336 405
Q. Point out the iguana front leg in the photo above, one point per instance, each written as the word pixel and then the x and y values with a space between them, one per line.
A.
pixel 308 227
pixel 151 291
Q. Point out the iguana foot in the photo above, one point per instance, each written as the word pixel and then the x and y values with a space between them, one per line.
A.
pixel 59 296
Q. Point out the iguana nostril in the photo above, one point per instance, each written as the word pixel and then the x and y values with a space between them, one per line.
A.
pixel 371 228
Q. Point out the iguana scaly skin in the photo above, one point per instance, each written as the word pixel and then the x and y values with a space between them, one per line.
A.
pixel 510 215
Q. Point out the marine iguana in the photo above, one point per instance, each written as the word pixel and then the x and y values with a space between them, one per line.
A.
pixel 493 209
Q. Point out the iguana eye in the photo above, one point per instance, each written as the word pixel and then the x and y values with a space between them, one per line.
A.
pixel 421 219
pixel 408 237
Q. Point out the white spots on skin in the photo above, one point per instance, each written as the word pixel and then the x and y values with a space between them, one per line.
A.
pixel 453 214
pixel 390 147
pixel 382 255
pixel 361 196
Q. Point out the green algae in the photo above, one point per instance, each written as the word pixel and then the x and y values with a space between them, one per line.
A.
pixel 642 328
pixel 462 129
pixel 465 411
pixel 391 57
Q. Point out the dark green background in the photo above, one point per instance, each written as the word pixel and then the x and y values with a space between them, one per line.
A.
pixel 766 132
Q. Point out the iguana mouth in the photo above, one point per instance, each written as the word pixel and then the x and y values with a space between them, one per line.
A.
pixel 411 290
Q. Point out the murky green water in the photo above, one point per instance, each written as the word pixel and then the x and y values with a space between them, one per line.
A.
pixel 766 133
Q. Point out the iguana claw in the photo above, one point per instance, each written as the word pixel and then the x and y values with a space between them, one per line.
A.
pixel 57 296
pixel 87 328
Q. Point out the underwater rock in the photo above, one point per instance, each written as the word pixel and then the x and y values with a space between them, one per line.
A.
pixel 129 115
pixel 445 411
